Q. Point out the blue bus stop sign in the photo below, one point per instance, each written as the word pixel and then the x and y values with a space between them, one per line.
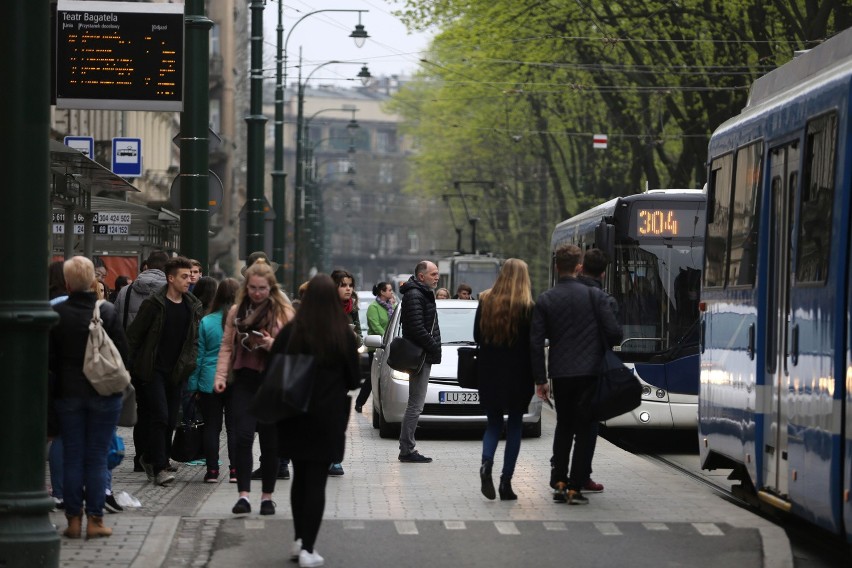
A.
pixel 127 157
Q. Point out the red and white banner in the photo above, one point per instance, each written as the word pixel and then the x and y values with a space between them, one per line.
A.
pixel 599 141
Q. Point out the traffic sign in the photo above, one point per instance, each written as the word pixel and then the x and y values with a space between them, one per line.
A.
pixel 85 144
pixel 599 141
pixel 127 157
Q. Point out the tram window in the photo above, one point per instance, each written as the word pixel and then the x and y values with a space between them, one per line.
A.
pixel 817 198
pixel 745 217
pixel 718 221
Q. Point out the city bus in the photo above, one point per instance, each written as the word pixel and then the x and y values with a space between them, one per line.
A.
pixel 479 271
pixel 775 402
pixel 654 241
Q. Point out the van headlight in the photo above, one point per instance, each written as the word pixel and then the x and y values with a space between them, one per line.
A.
pixel 399 375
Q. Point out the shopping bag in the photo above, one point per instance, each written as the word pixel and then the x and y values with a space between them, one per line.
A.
pixel 127 417
pixel 467 372
pixel 115 453
pixel 188 442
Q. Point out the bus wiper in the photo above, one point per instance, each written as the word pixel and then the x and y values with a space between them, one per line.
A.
pixel 459 343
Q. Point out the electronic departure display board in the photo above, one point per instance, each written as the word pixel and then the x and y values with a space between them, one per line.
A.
pixel 119 55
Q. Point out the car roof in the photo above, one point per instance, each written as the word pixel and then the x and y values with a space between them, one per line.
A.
pixel 457 303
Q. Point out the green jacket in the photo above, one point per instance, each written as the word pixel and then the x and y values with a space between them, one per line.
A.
pixel 377 320
pixel 143 337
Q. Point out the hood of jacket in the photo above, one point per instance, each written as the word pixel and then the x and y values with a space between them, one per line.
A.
pixel 411 283
pixel 149 282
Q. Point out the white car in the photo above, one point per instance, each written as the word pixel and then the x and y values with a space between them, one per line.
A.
pixel 447 404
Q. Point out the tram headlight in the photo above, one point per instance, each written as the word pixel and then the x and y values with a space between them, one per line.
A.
pixel 661 393
pixel 646 390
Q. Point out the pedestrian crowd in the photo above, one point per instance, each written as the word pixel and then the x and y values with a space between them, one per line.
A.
pixel 192 342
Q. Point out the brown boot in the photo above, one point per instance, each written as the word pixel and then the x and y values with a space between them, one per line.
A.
pixel 95 527
pixel 75 526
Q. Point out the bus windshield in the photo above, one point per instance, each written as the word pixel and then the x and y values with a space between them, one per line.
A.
pixel 656 286
pixel 479 276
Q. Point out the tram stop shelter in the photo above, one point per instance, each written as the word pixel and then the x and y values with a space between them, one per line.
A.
pixel 87 220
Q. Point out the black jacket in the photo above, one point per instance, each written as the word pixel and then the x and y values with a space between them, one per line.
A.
pixel 67 348
pixel 320 435
pixel 418 314
pixel 143 336
pixel 566 316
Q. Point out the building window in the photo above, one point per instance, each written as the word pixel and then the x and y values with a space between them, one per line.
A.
pixel 386 141
pixel 355 201
pixel 386 173
pixel 413 242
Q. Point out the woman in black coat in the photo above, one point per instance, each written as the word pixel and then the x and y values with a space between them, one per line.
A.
pixel 316 439
pixel 502 330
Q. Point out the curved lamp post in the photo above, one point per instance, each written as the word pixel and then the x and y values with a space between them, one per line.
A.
pixel 279 176
pixel 365 76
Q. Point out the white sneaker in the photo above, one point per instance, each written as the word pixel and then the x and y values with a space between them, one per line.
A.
pixel 296 549
pixel 310 559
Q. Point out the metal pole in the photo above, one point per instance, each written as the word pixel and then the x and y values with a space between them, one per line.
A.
pixel 255 147
pixel 27 538
pixel 194 141
pixel 279 176
pixel 298 210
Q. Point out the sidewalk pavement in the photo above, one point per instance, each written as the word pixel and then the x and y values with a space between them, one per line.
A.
pixel 385 513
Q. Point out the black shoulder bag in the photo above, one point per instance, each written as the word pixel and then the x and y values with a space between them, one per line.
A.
pixel 287 387
pixel 617 389
pixel 406 356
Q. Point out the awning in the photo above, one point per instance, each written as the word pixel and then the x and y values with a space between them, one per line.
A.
pixel 90 174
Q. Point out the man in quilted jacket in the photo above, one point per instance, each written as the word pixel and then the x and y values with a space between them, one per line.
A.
pixel 420 325
pixel 573 317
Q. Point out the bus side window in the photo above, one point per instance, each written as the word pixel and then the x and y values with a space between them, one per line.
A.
pixel 718 222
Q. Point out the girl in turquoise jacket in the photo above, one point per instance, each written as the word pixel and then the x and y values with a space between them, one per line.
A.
pixel 211 403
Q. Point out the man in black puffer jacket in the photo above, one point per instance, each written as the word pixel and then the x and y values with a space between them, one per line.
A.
pixel 420 325
pixel 570 315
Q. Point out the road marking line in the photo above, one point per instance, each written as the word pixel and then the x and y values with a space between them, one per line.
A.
pixel 656 526
pixel 607 529
pixel 455 525
pixel 254 524
pixel 555 526
pixel 353 525
pixel 406 527
pixel 506 527
pixel 708 529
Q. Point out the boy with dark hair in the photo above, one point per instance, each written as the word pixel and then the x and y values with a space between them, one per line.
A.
pixel 163 349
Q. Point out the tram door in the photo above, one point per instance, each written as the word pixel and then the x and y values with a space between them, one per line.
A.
pixel 784 172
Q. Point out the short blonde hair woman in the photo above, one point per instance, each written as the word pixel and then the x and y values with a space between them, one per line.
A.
pixel 502 330
pixel 260 311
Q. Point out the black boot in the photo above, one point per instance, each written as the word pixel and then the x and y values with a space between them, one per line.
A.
pixel 485 478
pixel 505 489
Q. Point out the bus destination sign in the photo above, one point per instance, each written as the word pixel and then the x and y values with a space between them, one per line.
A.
pixel 119 55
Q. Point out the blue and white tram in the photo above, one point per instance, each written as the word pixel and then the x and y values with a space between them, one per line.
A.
pixel 655 242
pixel 776 360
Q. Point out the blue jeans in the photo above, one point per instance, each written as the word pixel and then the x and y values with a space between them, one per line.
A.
pixel 514 430
pixel 87 429
pixel 417 386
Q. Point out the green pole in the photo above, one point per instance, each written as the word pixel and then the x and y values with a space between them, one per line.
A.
pixel 27 538
pixel 256 124
pixel 194 143
pixel 279 176
pixel 298 208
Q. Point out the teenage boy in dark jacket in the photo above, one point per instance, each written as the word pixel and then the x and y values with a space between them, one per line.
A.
pixel 163 340
pixel 570 315
pixel 419 320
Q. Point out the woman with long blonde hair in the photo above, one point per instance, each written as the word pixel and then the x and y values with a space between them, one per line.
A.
pixel 502 330
pixel 251 325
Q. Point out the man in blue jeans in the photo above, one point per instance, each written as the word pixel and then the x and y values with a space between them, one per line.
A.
pixel 163 341
pixel 419 320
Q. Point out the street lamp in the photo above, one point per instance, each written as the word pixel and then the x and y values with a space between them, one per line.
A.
pixel 279 176
pixel 365 76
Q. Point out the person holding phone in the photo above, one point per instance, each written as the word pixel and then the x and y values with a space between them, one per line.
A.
pixel 252 323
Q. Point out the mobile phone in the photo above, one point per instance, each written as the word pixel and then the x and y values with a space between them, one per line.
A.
pixel 255 332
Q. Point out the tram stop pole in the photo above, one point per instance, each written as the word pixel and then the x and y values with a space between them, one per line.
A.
pixel 27 538
pixel 194 140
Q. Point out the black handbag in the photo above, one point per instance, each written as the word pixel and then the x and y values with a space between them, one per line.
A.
pixel 405 355
pixel 188 443
pixel 467 372
pixel 287 387
pixel 617 389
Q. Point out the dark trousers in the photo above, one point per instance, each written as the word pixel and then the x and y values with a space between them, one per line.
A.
pixel 162 401
pixel 214 406
pixel 140 429
pixel 572 429
pixel 366 388
pixel 307 500
pixel 243 390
